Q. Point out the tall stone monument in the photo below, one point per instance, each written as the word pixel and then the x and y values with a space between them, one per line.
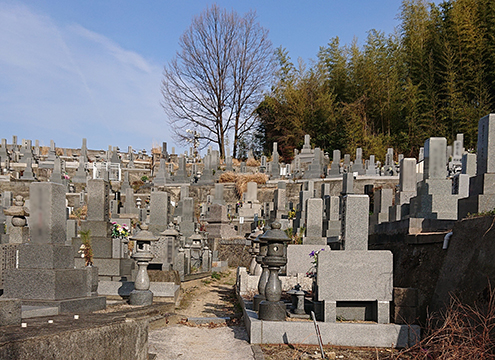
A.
pixel 45 275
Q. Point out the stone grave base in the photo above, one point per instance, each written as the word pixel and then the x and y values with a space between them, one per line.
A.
pixel 141 297
pixel 275 311
pixel 337 334
pixel 79 305
pixel 124 289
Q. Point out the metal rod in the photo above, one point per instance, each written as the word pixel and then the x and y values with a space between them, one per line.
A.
pixel 318 334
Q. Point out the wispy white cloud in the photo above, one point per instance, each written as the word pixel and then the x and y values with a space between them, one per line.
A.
pixel 65 82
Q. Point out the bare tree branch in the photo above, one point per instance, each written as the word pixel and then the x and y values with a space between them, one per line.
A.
pixel 217 79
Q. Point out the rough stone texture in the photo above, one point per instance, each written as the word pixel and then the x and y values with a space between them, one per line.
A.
pixel 382 200
pixel 110 267
pixel 141 297
pixel 98 200
pixel 468 268
pixel 80 305
pixel 314 222
pixel 355 222
pixel 117 339
pixel 102 246
pixel 10 312
pixel 298 259
pixel 33 256
pixel 434 200
pixel 355 275
pixel 407 176
pixel 464 269
pixel 469 164
pixel 97 228
pixel 48 214
pixel 158 212
pixel 481 195
pixel 405 297
pixel 45 284
pixel 435 158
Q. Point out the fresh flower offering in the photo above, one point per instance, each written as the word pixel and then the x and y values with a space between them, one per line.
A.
pixel 120 231
pixel 314 260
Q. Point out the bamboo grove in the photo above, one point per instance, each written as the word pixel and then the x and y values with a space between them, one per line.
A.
pixel 435 76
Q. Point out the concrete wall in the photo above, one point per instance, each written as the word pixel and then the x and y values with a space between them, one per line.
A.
pixel 465 269
pixel 125 339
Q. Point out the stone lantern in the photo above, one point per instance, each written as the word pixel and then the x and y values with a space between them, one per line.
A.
pixel 196 244
pixel 254 250
pixel 19 233
pixel 263 246
pixel 272 308
pixel 141 295
pixel 171 237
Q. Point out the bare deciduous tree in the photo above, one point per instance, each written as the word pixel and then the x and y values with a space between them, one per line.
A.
pixel 217 79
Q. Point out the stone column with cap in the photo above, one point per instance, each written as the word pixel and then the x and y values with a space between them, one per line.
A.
pixel 272 308
pixel 141 295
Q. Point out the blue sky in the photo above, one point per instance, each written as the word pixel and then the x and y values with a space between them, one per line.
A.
pixel 92 68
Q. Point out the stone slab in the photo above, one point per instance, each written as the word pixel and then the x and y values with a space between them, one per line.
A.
pixel 35 256
pixel 355 222
pixel 79 305
pixel 102 247
pixel 355 275
pixel 298 259
pixel 110 267
pixel 32 311
pixel 45 284
pixel 337 334
pixel 97 228
pixel 47 206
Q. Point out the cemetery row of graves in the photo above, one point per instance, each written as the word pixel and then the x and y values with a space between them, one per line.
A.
pixel 307 237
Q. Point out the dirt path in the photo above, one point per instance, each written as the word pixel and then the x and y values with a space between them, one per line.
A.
pixel 209 297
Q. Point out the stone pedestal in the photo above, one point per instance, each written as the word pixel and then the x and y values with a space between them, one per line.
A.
pixel 272 311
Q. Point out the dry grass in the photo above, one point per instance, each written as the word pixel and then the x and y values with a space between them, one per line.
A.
pixel 252 162
pixel 461 332
pixel 228 177
pixel 156 150
pixel 59 151
pixel 236 162
pixel 44 150
pixel 241 180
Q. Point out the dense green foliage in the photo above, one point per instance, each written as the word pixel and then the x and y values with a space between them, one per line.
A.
pixel 434 77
